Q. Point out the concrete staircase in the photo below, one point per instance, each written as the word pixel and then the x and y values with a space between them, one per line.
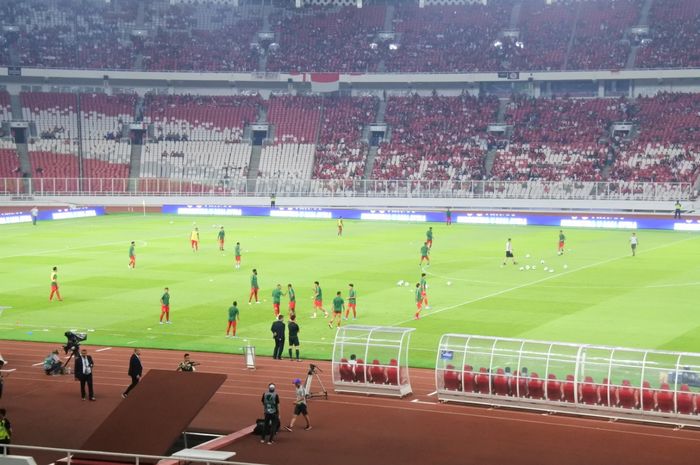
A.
pixel 572 38
pixel 24 164
pixel 253 168
pixel 381 111
pixel 515 15
pixel 135 167
pixel 491 154
pixel 369 165
pixel 16 107
pixel 644 15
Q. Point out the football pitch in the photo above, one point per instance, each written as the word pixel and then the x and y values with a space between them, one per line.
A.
pixel 598 293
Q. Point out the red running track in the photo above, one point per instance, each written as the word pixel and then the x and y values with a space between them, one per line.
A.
pixel 347 429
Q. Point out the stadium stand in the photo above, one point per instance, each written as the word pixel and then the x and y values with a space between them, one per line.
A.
pixel 340 154
pixel 449 38
pixel 321 39
pixel 673 32
pixel 435 138
pixel 9 162
pixel 54 114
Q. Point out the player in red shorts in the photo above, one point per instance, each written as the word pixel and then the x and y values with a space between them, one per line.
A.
pixel 292 300
pixel 254 287
pixel 54 284
pixel 419 301
pixel 237 252
pixel 132 255
pixel 562 239
pixel 221 237
pixel 340 226
pixel 276 299
pixel 194 239
pixel 165 306
pixel 318 300
pixel 352 302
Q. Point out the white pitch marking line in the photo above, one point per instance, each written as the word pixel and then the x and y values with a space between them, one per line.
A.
pixel 104 348
pixel 37 364
pixel 432 393
pixel 417 401
pixel 131 342
pixel 547 278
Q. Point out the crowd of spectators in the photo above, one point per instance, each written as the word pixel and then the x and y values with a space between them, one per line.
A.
pixel 439 38
pixel 323 39
pixel 340 154
pixel 675 42
pixel 435 138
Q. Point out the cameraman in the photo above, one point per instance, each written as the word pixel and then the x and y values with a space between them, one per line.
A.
pixel 271 409
pixel 187 364
pixel 52 364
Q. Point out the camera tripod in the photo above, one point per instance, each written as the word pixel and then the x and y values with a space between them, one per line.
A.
pixel 310 376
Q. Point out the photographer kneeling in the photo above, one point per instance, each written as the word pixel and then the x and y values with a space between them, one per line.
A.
pixel 52 364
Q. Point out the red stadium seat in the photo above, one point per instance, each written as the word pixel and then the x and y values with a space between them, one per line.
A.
pixel 481 381
pixel 568 389
pixel 392 372
pixel 553 388
pixel 345 369
pixel 664 399
pixel 360 371
pixel 377 373
pixel 451 378
pixel 468 378
pixel 628 395
pixel 685 401
pixel 535 387
pixel 590 392
pixel 648 397
pixel 608 394
pixel 519 385
pixel 500 383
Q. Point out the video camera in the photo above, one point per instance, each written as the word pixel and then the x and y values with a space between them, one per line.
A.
pixel 73 342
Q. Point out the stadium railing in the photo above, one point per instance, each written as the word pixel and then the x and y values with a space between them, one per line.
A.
pixel 74 454
pixel 613 382
pixel 550 190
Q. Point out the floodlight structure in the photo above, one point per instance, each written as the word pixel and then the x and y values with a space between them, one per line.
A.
pixel 372 360
pixel 613 382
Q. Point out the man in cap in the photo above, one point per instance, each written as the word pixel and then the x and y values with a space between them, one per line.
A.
pixel 299 406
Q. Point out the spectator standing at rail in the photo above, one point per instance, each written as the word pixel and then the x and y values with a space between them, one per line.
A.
pixel 278 329
pixel 677 211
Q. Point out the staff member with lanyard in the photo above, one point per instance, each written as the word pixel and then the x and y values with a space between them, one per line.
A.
pixel 5 430
pixel 271 409
pixel 299 406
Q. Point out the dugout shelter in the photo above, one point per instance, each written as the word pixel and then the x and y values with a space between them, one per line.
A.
pixel 372 360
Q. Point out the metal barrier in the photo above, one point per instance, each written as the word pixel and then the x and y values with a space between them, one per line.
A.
pixel 548 190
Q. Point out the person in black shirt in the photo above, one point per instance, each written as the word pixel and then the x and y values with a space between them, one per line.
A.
pixel 278 335
pixel 293 337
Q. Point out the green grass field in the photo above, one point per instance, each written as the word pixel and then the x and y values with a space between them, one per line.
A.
pixel 603 296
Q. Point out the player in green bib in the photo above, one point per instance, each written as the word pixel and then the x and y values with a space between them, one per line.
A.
pixel 424 290
pixel 352 302
pixel 233 317
pixel 419 301
pixel 338 307
pixel 424 254
pixel 292 300
pixel 429 238
pixel 562 239
pixel 254 287
pixel 165 306
pixel 318 300
pixel 276 298
pixel 132 255
pixel 237 252
pixel 221 237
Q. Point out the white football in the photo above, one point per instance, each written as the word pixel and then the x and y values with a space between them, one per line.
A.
pixel 546 268
pixel 566 266
pixel 406 283
pixel 551 270
pixel 522 268
pixel 449 283
pixel 527 256
pixel 534 267
pixel 527 267
pixel 542 262
pixel 400 283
